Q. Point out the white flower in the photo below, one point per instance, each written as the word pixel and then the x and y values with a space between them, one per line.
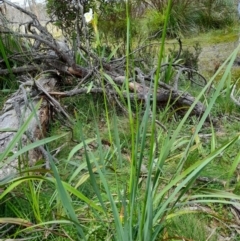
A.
pixel 88 16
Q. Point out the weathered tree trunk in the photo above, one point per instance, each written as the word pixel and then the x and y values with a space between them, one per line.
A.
pixel 16 110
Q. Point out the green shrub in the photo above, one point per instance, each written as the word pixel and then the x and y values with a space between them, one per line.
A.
pixel 188 16
pixel 215 14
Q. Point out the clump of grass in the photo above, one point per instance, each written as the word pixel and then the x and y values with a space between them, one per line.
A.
pixel 189 17
pixel 192 227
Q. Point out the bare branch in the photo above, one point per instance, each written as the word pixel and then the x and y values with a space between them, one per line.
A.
pixel 237 102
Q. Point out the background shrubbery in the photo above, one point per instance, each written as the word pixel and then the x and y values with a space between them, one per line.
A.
pixel 187 16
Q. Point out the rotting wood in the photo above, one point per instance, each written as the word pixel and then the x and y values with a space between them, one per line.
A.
pixel 16 110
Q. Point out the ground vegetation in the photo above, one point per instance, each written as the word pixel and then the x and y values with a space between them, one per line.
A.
pixel 106 135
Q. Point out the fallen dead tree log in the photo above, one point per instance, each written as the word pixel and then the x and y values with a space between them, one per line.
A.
pixel 16 110
pixel 141 93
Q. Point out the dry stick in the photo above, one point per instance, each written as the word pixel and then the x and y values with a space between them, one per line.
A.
pixel 54 47
pixel 78 31
pixel 78 44
pixel 23 69
pixel 180 70
pixel 49 41
pixel 133 52
pixel 179 51
pixel 153 36
pixel 19 56
pixel 175 84
pixel 84 79
pixel 148 45
pixel 41 149
pixel 233 98
pixel 53 100
pixel 150 76
pixel 106 66
pixel 189 69
pixel 85 91
pixel 120 104
pixel 58 149
pixel 6 232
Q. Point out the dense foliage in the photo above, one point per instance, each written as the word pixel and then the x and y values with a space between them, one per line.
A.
pixel 147 16
pixel 65 13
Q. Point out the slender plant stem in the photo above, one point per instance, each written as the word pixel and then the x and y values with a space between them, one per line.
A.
pixel 132 181
pixel 151 154
pixel 161 51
